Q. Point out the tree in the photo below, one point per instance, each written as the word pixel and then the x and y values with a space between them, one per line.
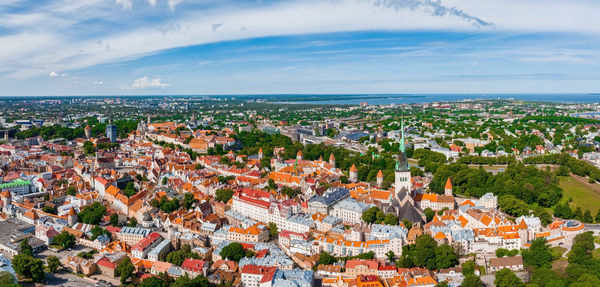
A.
pixel 164 181
pixel 538 255
pixel 586 280
pixel 188 200
pixel 130 189
pixel 114 219
pixel 272 230
pixel 92 214
pixel 390 219
pixel 152 282
pixel 587 216
pixel 71 191
pixel 472 281
pixel 98 231
pixel 429 214
pixel 179 256
pixel 234 251
pixel 49 209
pixel 390 255
pixel 442 284
pixel 445 256
pixel 326 259
pixel 407 224
pixel 7 279
pixel 53 263
pixel 223 195
pixel 543 215
pixel 506 278
pixel 26 248
pixel 424 252
pixel 29 267
pixel 64 239
pixel 89 148
pixel 597 218
pixel 132 222
pixel 125 269
pixel 468 268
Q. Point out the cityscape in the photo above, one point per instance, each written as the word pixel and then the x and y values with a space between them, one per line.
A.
pixel 299 143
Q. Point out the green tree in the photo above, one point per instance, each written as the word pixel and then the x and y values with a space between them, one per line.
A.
pixel 152 282
pixel 29 267
pixel 472 281
pixel 26 248
pixel 53 263
pixel 234 251
pixel 132 222
pixel 390 219
pixel 7 279
pixel 114 219
pixel 442 284
pixel 326 259
pixel 506 278
pixel 164 181
pixel 543 215
pixel 49 209
pixel 424 252
pixel 179 256
pixel 429 214
pixel 586 280
pixel 71 191
pixel 391 256
pixel 64 239
pixel 92 214
pixel 125 269
pixel 587 216
pixel 188 200
pixel 597 218
pixel 538 255
pixel 468 268
pixel 223 195
pixel 272 230
pixel 88 148
pixel 445 256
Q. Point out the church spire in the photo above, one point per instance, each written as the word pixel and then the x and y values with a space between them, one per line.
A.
pixel 403 140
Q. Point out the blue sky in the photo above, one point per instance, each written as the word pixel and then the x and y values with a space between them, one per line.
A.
pixel 117 47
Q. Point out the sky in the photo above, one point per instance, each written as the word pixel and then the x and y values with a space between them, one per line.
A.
pixel 205 47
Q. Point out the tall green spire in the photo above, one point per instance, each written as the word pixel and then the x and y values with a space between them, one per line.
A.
pixel 403 140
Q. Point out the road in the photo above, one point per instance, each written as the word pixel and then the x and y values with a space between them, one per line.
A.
pixel 68 280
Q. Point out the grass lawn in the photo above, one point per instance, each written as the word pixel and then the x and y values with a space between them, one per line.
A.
pixel 583 196
pixel 557 252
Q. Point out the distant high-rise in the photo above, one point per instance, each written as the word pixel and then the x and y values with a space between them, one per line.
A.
pixel 111 132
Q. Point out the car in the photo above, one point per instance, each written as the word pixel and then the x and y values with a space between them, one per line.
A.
pixel 71 280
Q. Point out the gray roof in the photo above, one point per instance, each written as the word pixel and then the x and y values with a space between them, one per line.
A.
pixel 330 197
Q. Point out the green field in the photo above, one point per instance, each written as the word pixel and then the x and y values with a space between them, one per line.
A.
pixel 583 196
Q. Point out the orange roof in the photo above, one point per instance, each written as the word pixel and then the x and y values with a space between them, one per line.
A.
pixel 353 168
pixel 448 184
pixel 440 236
pixel 72 211
pixel 523 224
pixel 380 173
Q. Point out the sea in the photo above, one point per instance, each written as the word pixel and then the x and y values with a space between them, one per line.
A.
pixel 386 99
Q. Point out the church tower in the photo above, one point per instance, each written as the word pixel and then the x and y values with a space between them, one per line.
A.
pixel 448 188
pixel 72 217
pixel 260 153
pixel 332 160
pixel 379 178
pixel 353 174
pixel 402 174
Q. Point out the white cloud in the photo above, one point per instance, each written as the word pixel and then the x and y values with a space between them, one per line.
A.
pixel 145 82
pixel 40 51
pixel 173 3
pixel 152 2
pixel 125 4
pixel 55 74
pixel 99 83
